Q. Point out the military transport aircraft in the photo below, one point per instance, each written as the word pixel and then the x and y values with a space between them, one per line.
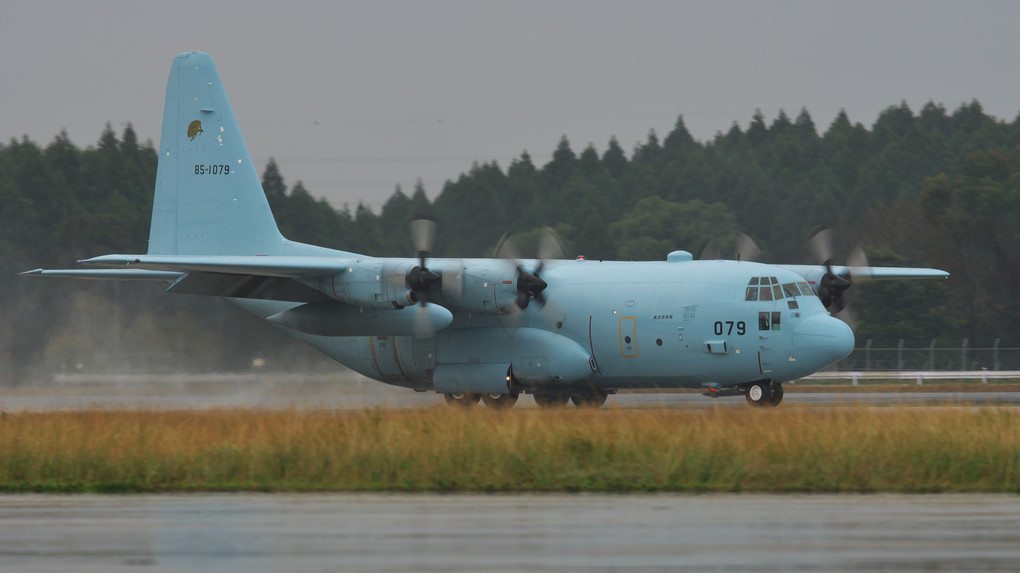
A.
pixel 473 329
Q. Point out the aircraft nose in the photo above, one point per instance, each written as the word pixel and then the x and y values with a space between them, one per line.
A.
pixel 825 338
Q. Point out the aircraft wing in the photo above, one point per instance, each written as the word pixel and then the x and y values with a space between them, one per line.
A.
pixel 814 273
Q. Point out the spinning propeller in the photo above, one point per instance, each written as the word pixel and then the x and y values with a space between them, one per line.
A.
pixel 832 286
pixel 530 284
pixel 745 249
pixel 420 279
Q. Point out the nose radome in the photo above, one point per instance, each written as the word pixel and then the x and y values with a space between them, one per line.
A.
pixel 826 338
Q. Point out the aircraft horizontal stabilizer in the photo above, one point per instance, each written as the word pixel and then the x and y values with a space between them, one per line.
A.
pixel 106 274
pixel 269 266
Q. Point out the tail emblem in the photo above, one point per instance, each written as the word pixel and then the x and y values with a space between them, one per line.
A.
pixel 194 128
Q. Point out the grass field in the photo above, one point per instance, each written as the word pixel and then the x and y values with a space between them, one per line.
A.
pixel 798 449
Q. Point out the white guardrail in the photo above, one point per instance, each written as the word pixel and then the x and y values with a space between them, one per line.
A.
pixel 919 376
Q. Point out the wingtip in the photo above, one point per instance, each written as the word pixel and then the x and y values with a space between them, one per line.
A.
pixel 31 272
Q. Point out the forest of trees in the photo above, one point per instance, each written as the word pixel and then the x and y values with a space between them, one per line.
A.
pixel 933 188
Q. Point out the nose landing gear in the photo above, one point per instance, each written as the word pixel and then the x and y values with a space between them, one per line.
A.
pixel 764 393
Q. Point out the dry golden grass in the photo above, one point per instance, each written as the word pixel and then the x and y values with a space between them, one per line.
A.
pixel 452 449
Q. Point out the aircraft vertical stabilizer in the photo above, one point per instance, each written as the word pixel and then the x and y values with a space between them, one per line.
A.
pixel 208 199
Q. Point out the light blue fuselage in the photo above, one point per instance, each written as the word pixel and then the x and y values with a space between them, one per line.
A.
pixel 644 324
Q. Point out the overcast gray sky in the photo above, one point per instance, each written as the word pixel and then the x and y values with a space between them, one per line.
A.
pixel 354 98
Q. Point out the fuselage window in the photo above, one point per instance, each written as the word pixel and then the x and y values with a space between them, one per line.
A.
pixel 763 321
pixel 775 321
pixel 752 293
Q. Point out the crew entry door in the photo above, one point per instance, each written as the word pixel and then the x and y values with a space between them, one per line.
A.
pixel 628 337
pixel 766 293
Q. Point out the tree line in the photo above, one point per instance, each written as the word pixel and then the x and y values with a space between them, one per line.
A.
pixel 932 188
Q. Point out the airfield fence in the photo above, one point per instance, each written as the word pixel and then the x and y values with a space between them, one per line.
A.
pixel 931 355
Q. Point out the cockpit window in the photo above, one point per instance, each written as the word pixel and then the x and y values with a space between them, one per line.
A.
pixel 769 289
pixel 805 289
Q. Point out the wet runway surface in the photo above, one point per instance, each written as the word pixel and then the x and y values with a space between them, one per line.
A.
pixel 373 532
pixel 370 532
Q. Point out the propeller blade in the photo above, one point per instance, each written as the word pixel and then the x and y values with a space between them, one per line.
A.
pixel 747 248
pixel 838 304
pixel 420 278
pixel 523 298
pixel 422 328
pixel 506 248
pixel 710 250
pixel 423 235
pixel 858 263
pixel 857 257
pixel 847 316
pixel 549 245
pixel 430 318
pixel 820 243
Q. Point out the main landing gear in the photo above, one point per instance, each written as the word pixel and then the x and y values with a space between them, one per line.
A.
pixel 494 401
pixel 499 401
pixel 764 393
pixel 582 398
pixel 463 400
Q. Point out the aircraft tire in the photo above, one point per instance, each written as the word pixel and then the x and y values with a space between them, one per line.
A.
pixel 777 395
pixel 759 393
pixel 499 401
pixel 462 400
pixel 590 398
pixel 550 400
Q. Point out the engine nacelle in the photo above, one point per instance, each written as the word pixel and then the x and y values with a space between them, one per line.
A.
pixel 371 283
pixel 487 288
